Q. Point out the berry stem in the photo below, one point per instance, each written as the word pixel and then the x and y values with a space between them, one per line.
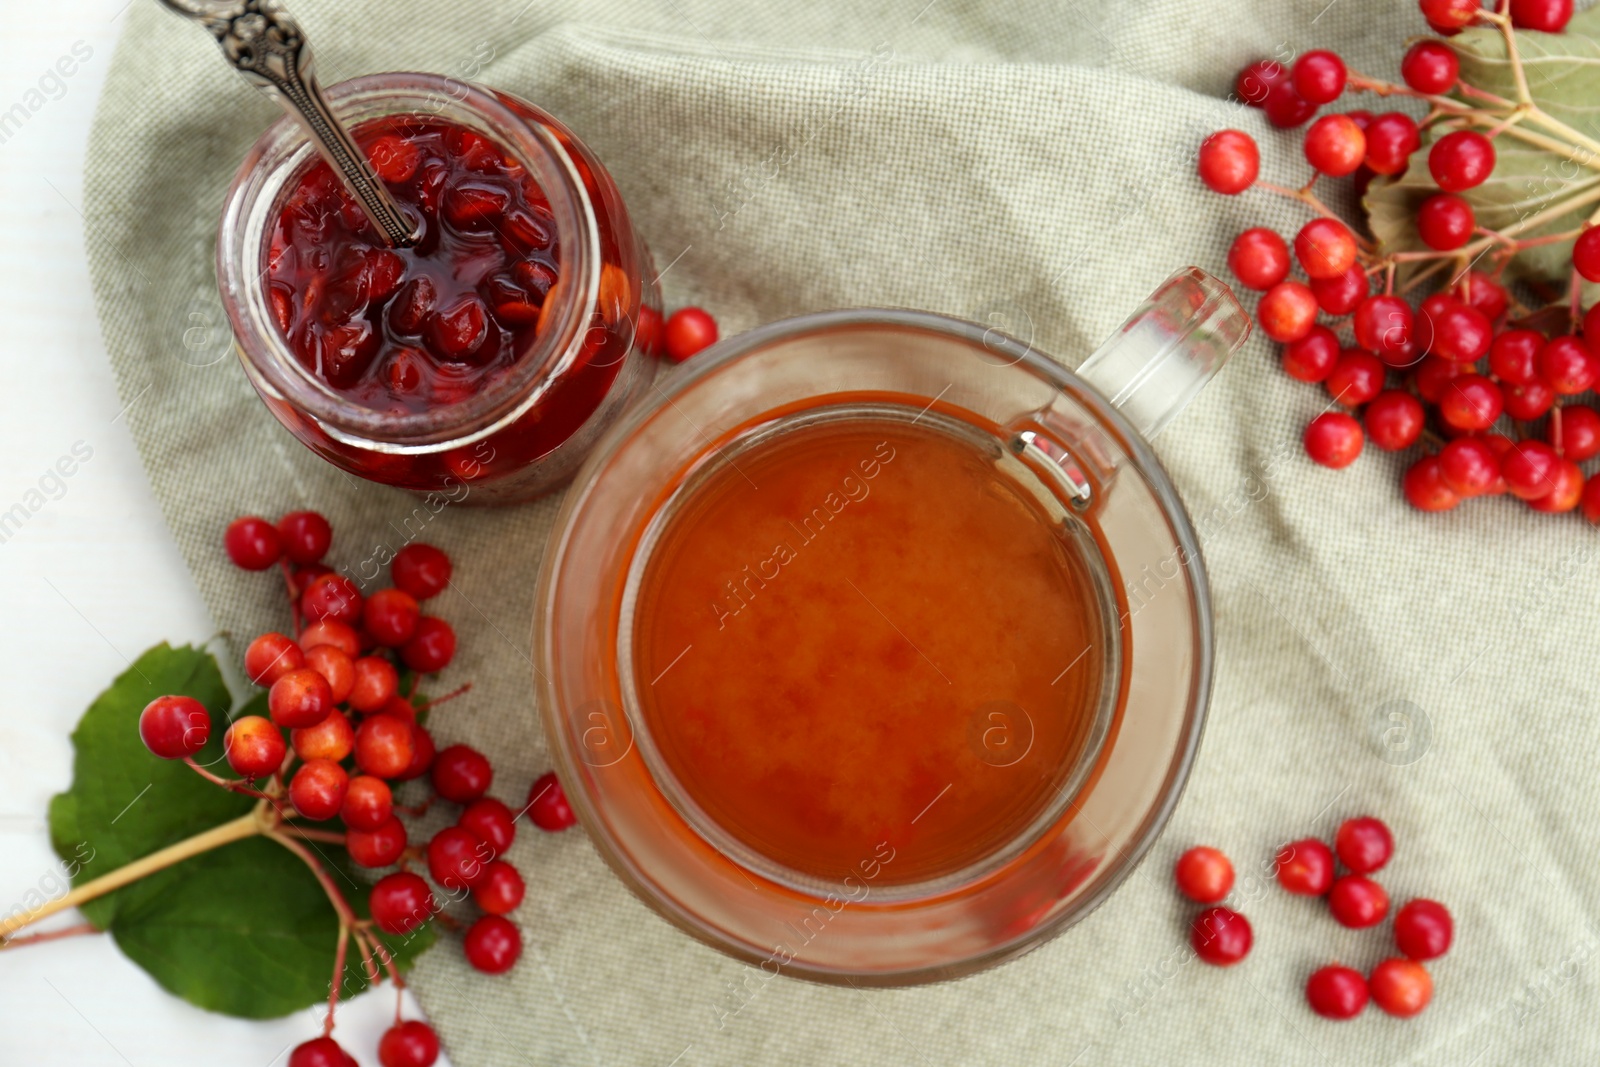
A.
pixel 436 701
pixel 1308 198
pixel 234 785
pixel 50 935
pixel 294 601
pixel 338 977
pixel 235 830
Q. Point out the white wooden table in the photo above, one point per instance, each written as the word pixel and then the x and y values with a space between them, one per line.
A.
pixel 91 579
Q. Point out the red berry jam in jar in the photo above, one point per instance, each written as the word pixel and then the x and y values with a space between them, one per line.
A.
pixel 487 355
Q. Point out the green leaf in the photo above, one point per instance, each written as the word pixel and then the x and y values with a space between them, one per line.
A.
pixel 1563 73
pixel 244 929
pixel 1562 69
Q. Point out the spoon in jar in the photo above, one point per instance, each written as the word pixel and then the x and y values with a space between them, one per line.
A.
pixel 266 45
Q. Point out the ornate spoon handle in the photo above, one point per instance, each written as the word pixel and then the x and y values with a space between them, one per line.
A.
pixel 265 44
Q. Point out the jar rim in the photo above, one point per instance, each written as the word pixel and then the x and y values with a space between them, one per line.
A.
pixel 254 198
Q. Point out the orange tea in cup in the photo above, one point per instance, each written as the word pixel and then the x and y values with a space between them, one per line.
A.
pixel 859 628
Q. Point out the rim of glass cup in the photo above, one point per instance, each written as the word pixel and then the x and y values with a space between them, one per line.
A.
pixel 282 152
pixel 1015 352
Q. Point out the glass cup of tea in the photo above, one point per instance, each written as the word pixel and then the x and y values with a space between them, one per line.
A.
pixel 876 646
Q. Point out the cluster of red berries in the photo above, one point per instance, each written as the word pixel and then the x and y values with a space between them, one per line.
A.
pixel 1459 360
pixel 1423 928
pixel 339 731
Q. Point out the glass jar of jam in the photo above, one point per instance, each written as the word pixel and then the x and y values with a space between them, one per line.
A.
pixel 491 353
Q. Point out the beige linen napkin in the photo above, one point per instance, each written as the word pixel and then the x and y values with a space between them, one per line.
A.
pixel 1029 164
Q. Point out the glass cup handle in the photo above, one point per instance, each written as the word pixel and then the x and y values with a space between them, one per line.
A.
pixel 1168 349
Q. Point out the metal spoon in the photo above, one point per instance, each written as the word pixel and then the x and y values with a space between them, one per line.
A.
pixel 266 45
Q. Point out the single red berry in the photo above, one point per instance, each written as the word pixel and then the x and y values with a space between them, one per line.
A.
pixel 1449 17
pixel 1590 500
pixel 422 753
pixel 409 1044
pixel 1255 81
pixel 377 848
pixel 1423 929
pixel 547 804
pixel 1478 290
pixel 319 1052
pixel 254 747
pixel 431 648
pixel 375 682
pixel 1445 222
pixel 1325 247
pixel 1305 867
pixel 1335 145
pixel 1394 420
pixel 457 857
pixel 270 657
pixel 1319 76
pixel 400 902
pixel 1204 875
pixel 1580 432
pixel 384 746
pixel 493 944
pixel 1472 402
pixel 1357 378
pixel 368 803
pixel 1461 160
pixel 1425 488
pixel 331 632
pixel 500 890
pixel 1528 402
pixel 1259 258
pixel 1342 295
pixel 1433 376
pixel 1391 138
pixel 1546 16
pixel 1287 311
pixel 1364 844
pixel 1336 992
pixel 252 543
pixel 1400 987
pixel 421 570
pixel 1566 489
pixel 1334 439
pixel 690 330
pixel 1357 901
pixel 461 774
pixel 1430 67
pixel 1286 108
pixel 332 596
pixel 1220 937
pixel 1471 467
pixel 317 789
pixel 299 698
pixel 1567 366
pixel 1383 325
pixel 390 616
pixel 1514 356
pixel 1530 469
pixel 332 738
pixel 174 727
pixel 1312 358
pixel 335 667
pixel 305 536
pixel 1591 326
pixel 490 820
pixel 1460 334
pixel 1229 162
pixel 1586 253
